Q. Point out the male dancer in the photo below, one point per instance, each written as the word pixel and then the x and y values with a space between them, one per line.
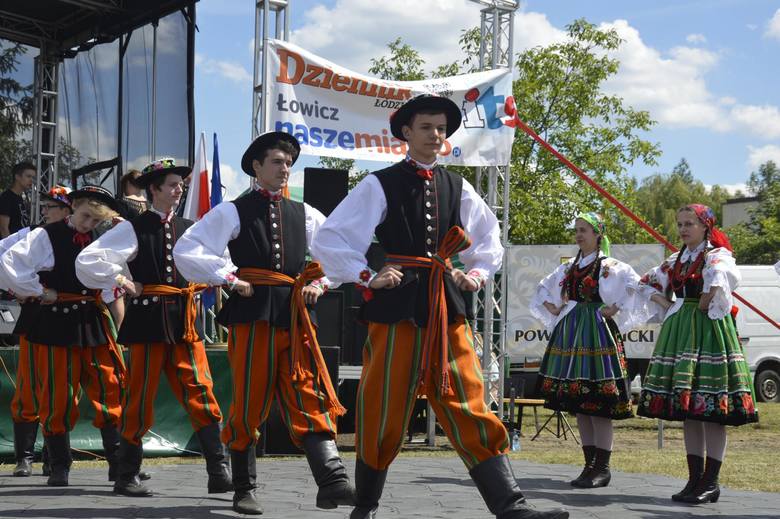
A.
pixel 272 346
pixel 159 327
pixel 55 206
pixel 418 338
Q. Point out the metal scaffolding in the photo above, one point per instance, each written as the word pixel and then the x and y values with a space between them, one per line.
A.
pixel 264 11
pixel 492 183
pixel 45 146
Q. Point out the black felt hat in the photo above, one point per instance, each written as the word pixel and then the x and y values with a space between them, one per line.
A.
pixel 161 167
pixel 262 143
pixel 98 193
pixel 403 115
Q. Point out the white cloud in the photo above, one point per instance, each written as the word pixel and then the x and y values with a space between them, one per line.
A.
pixel 234 180
pixel 762 154
pixel 773 27
pixel 231 71
pixel 763 121
pixel 730 188
pixel 671 86
pixel 696 38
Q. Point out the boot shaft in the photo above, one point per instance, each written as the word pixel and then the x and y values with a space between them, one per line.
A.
pixel 369 484
pixel 324 459
pixel 25 434
pixel 212 448
pixel 244 465
pixel 497 485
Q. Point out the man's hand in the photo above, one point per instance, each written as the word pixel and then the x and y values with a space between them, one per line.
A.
pixel 243 288
pixel 311 294
pixel 609 311
pixel 132 288
pixel 464 281
pixel 49 296
pixel 389 277
pixel 555 310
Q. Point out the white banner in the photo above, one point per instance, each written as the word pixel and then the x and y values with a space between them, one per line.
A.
pixel 335 112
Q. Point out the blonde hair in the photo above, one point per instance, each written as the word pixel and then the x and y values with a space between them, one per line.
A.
pixel 97 208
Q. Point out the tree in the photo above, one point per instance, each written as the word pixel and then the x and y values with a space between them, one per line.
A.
pixel 403 64
pixel 758 241
pixel 15 108
pixel 660 196
pixel 355 175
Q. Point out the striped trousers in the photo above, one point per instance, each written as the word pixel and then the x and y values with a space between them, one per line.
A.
pixel 62 371
pixel 24 404
pixel 187 369
pixel 261 364
pixel 388 389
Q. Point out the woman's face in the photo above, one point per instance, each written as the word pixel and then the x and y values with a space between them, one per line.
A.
pixel 585 236
pixel 84 219
pixel 690 228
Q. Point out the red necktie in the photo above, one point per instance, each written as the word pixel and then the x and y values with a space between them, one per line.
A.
pixel 274 197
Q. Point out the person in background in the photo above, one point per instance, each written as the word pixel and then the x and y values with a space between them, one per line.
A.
pixel 131 200
pixel 14 210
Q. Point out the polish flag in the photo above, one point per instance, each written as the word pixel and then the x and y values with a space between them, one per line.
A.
pixel 198 200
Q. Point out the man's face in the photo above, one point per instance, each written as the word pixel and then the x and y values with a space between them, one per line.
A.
pixel 274 172
pixel 53 211
pixel 426 134
pixel 84 219
pixel 169 193
pixel 26 178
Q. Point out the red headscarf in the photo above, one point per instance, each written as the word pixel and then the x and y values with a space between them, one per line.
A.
pixel 705 215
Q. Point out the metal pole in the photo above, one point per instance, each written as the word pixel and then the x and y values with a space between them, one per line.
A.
pixel 264 71
pixel 153 150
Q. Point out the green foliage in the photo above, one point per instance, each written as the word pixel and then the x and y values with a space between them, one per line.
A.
pixel 660 196
pixel 403 64
pixel 758 241
pixel 355 175
pixel 15 109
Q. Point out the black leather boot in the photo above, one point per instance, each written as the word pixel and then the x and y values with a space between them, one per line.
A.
pixel 110 437
pixel 129 458
pixel 707 490
pixel 496 483
pixel 60 459
pixel 369 484
pixel 244 464
pixel 24 447
pixel 695 470
pixel 589 451
pixel 599 475
pixel 328 471
pixel 45 467
pixel 216 461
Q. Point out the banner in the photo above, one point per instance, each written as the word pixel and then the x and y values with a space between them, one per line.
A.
pixel 335 112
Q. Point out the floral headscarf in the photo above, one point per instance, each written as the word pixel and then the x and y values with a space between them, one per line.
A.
pixel 706 216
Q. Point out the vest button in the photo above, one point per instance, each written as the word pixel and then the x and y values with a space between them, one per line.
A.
pixel 278 267
pixel 169 268
pixel 169 257
pixel 83 292
pixel 427 204
pixel 135 301
pixel 169 279
pixel 155 299
pixel 53 308
pixel 277 255
pixel 168 235
pixel 65 310
pixel 274 225
pixel 145 302
pixel 168 246
pixel 75 307
pixel 429 241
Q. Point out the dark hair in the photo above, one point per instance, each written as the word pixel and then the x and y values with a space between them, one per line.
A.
pixel 156 182
pixel 22 166
pixel 281 145
pixel 128 178
pixel 424 111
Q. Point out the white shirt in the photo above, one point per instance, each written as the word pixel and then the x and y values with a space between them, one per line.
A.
pixel 19 265
pixel 343 240
pixel 201 254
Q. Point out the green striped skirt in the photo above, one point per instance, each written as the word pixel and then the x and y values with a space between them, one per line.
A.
pixel 698 371
pixel 584 367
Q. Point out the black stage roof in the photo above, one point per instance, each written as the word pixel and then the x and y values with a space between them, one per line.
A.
pixel 64 26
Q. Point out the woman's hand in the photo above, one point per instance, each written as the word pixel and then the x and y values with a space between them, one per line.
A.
pixel 609 311
pixel 555 310
pixel 706 299
pixel 661 300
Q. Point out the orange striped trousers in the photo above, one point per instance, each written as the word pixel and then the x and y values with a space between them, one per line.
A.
pixel 61 372
pixel 388 389
pixel 187 369
pixel 24 404
pixel 261 364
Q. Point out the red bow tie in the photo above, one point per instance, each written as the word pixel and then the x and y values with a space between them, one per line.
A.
pixel 423 173
pixel 82 239
pixel 273 197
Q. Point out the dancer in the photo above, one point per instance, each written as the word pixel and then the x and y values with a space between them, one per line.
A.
pixel 586 303
pixel 698 373
pixel 160 327
pixel 418 338
pixel 272 345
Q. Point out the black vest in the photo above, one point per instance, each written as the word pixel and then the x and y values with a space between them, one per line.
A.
pixel 419 214
pixel 272 237
pixel 692 287
pixel 67 324
pixel 575 286
pixel 156 318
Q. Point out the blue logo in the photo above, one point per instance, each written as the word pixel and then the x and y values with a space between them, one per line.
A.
pixel 456 151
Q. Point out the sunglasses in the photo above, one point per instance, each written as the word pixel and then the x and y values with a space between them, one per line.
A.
pixel 50 206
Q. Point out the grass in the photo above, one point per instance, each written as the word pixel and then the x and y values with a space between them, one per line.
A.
pixel 751 457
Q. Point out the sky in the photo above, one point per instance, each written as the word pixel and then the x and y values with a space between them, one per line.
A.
pixel 706 70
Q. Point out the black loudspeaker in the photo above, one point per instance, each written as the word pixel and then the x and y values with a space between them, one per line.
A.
pixel 275 438
pixel 324 188
pixel 330 318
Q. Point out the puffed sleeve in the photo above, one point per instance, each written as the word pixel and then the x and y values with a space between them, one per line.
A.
pixel 98 265
pixel 483 258
pixel 549 291
pixel 342 241
pixel 618 284
pixel 10 240
pixel 655 281
pixel 201 253
pixel 720 270
pixel 19 265
pixel 314 220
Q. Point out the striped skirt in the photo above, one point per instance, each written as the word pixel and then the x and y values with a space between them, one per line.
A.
pixel 584 367
pixel 698 371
